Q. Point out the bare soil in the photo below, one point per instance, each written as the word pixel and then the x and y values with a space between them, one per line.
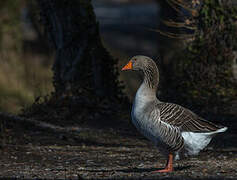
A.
pixel 110 153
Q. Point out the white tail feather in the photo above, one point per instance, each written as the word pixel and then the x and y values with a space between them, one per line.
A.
pixel 195 142
pixel 221 130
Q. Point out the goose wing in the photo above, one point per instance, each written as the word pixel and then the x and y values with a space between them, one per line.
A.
pixel 183 118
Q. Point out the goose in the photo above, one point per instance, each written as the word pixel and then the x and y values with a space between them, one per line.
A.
pixel 176 131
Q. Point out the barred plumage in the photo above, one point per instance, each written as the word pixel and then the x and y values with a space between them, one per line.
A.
pixel 185 119
pixel 171 127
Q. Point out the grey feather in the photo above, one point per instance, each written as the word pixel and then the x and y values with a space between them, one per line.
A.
pixel 171 127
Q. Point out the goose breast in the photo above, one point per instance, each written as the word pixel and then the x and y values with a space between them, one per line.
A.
pixel 146 118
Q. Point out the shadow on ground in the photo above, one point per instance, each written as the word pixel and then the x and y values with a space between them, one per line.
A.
pixel 143 178
pixel 139 170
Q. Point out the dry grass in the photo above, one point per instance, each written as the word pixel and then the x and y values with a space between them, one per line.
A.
pixel 22 79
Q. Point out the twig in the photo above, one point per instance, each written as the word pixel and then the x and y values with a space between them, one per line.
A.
pixel 173 35
pixel 171 23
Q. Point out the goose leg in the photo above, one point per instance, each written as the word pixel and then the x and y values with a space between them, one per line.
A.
pixel 169 165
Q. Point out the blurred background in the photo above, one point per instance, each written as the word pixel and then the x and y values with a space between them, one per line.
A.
pixel 26 57
pixel 128 28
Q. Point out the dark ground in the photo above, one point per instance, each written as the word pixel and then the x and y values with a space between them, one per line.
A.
pixel 118 152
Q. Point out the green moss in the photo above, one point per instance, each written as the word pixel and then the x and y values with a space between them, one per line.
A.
pixel 204 69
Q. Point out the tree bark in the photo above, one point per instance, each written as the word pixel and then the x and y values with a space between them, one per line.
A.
pixel 82 64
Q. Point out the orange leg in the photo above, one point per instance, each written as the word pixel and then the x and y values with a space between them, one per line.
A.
pixel 169 165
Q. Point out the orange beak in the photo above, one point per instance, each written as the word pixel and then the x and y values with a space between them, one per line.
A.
pixel 127 66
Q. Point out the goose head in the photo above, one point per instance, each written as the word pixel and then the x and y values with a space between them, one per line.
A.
pixel 139 63
pixel 147 66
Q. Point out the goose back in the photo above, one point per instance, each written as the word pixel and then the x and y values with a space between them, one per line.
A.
pixel 185 119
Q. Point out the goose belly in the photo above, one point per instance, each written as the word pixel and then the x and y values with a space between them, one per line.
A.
pixel 146 128
pixel 147 119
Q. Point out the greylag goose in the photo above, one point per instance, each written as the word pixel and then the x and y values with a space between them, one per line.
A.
pixel 175 130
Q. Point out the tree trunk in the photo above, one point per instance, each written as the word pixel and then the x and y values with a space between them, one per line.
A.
pixel 82 65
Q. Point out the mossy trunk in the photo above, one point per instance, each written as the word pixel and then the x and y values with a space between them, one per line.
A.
pixel 202 74
pixel 82 65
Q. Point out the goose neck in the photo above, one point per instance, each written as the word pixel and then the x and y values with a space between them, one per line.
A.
pixel 151 78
